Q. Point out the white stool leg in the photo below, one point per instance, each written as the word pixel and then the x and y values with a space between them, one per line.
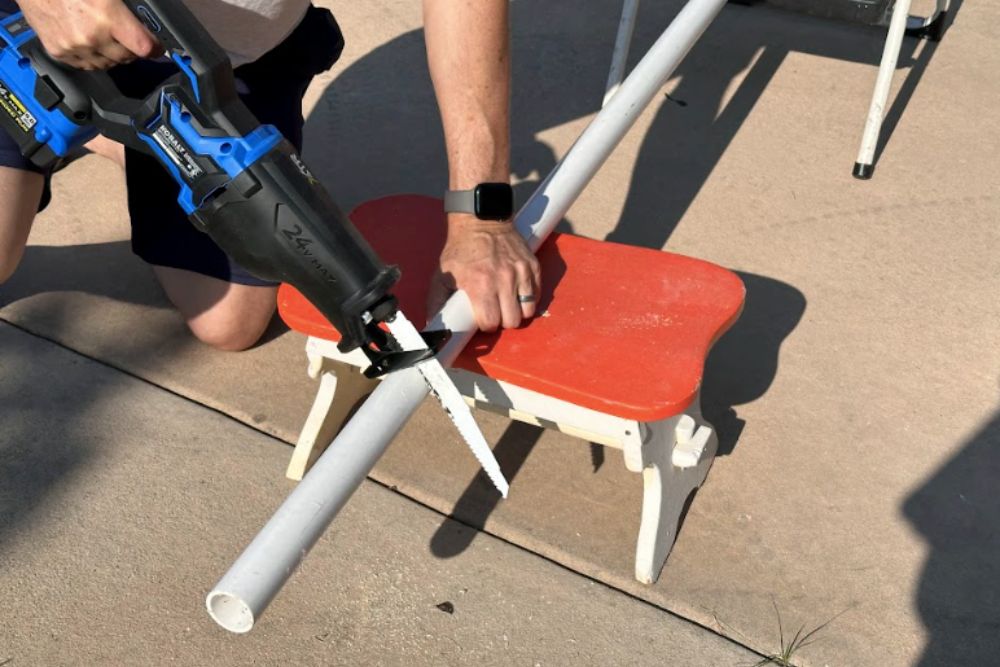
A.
pixel 347 384
pixel 864 167
pixel 677 458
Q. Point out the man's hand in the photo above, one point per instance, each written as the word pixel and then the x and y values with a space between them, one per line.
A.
pixel 493 265
pixel 89 34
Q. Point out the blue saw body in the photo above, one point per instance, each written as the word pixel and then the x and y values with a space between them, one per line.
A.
pixel 52 131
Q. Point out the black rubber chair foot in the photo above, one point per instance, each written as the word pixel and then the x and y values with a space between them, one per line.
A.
pixel 863 171
pixel 934 32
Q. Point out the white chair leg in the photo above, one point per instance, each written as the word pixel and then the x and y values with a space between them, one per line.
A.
pixel 623 43
pixel 346 384
pixel 931 27
pixel 864 167
pixel 677 458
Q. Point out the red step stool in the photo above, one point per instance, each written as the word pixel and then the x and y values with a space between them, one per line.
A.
pixel 615 355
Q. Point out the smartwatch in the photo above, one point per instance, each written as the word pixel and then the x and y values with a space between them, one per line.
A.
pixel 487 201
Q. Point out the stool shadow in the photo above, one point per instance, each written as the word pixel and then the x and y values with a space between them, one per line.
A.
pixel 743 364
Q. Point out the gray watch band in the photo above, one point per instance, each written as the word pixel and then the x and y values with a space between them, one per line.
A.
pixel 460 201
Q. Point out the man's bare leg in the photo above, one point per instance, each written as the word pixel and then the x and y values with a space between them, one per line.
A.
pixel 20 192
pixel 224 315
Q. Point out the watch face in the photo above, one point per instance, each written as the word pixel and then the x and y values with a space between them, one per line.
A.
pixel 494 201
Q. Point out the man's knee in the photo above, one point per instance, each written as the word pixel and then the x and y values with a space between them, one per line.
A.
pixel 236 322
pixel 227 316
pixel 229 336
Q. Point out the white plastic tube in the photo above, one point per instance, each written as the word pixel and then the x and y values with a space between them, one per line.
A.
pixel 241 596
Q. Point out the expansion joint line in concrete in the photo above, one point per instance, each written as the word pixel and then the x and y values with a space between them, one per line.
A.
pixel 384 485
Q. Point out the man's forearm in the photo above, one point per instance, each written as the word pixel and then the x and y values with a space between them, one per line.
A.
pixel 468 49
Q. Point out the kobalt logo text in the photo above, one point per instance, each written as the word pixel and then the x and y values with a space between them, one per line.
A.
pixel 179 150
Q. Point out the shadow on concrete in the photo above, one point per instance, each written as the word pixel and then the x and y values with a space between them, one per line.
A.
pixel 957 511
pixel 691 133
pixel 561 55
pixel 743 364
pixel 479 500
pixel 32 466
pixel 107 269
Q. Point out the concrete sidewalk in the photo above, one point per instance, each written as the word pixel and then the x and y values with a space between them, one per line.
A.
pixel 121 503
pixel 856 398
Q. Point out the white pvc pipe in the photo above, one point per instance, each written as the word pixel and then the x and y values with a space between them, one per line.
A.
pixel 240 597
pixel 563 186
pixel 863 168
pixel 623 43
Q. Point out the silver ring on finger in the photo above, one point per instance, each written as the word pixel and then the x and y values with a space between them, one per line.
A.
pixel 526 298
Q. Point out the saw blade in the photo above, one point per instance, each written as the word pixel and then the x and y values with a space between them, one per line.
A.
pixel 451 399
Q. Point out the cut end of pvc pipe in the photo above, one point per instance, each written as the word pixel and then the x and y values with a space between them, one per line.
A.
pixel 230 612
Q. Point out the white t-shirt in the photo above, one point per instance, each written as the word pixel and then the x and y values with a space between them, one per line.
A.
pixel 248 29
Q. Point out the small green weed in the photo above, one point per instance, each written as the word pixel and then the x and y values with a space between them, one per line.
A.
pixel 798 642
pixel 787 651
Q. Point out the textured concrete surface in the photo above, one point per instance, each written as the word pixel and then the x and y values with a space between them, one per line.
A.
pixel 120 503
pixel 857 399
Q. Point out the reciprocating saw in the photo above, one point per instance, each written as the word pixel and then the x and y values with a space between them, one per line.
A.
pixel 239 181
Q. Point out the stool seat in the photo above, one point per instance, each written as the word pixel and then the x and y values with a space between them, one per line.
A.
pixel 621 330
